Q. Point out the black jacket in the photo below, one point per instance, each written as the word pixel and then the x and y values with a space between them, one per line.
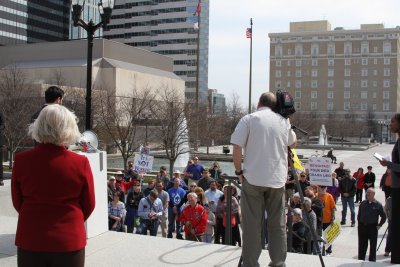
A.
pixel 348 185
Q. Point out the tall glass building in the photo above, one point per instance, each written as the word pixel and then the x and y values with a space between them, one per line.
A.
pixel 33 21
pixel 90 12
pixel 167 27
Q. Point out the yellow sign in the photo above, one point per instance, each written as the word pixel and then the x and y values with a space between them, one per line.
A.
pixel 331 232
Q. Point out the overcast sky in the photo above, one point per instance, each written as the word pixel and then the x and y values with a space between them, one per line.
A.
pixel 229 50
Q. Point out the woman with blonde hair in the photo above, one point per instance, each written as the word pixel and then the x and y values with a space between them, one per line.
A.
pixel 201 196
pixel 51 230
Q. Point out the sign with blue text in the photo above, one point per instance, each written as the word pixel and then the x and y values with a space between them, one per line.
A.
pixel 320 171
pixel 143 163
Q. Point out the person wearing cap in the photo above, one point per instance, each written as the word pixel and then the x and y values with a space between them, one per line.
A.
pixel 205 180
pixel 348 188
pixel 111 188
pixel 195 170
pixel 182 184
pixel 328 212
pixel 303 182
pixel 163 176
pixel 299 231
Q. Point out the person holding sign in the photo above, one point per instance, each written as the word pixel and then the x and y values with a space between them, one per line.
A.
pixel 328 212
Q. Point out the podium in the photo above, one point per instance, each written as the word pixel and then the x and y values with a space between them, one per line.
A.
pixel 98 220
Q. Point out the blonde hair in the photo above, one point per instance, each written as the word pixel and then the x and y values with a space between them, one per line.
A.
pixel 55 125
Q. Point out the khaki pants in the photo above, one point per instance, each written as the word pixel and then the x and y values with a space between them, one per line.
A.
pixel 254 201
pixel 163 223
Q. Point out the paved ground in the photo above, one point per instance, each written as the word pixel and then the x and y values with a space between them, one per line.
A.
pixel 119 249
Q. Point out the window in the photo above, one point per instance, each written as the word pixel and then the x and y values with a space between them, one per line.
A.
pixel 364 83
pixel 364 106
pixel 364 72
pixel 314 49
pixel 278 84
pixel 331 62
pixel 297 105
pixel 288 84
pixel 346 83
pixel 331 72
pixel 314 62
pixel 314 94
pixel 329 106
pixel 375 61
pixel 330 83
pixel 364 94
pixel 364 61
pixel 331 49
pixel 277 73
pixel 347 48
pixel 347 62
pixel 278 51
pixel 289 52
pixel 364 48
pixel 314 73
pixel 288 73
pixel 297 84
pixel 278 63
pixel 374 95
pixel 346 105
pixel 375 49
pixel 385 106
pixel 313 105
pixel 347 72
pixel 374 83
pixel 298 63
pixel 386 61
pixel 386 83
pixel 375 72
pixel 346 95
pixel 298 73
pixel 297 94
pixel 330 94
pixel 373 106
pixel 299 50
pixel 288 63
pixel 387 48
pixel 314 84
pixel 386 72
pixel 386 94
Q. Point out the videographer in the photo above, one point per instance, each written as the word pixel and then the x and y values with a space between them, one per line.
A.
pixel 264 136
pixel 150 210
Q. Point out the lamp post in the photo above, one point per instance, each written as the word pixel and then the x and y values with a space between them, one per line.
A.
pixel 105 10
pixel 381 123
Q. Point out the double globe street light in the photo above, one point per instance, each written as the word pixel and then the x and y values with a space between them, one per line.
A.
pixel 105 9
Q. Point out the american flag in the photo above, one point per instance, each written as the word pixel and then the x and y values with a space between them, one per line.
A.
pixel 248 33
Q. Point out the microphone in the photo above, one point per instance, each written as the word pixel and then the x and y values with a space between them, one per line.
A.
pixel 299 129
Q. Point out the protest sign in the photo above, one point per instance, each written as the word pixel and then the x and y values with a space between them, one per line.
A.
pixel 331 232
pixel 320 171
pixel 143 163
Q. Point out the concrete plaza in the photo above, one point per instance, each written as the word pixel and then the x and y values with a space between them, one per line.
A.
pixel 121 249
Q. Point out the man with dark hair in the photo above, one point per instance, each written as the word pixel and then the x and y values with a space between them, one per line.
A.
pixel 53 95
pixel 265 136
pixel 369 179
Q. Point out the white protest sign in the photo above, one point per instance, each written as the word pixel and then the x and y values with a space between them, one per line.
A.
pixel 320 171
pixel 143 163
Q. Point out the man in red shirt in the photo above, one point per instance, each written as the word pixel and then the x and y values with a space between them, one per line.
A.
pixel 194 218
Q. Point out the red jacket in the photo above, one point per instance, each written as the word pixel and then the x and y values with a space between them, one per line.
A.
pixel 360 180
pixel 197 216
pixel 53 192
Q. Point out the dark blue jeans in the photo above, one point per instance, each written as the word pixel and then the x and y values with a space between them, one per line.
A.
pixel 174 224
pixel 348 201
pixel 148 225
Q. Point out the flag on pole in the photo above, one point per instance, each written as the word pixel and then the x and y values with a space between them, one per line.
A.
pixel 248 33
pixel 198 9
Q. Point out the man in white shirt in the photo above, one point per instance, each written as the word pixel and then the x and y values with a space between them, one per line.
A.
pixel 264 137
pixel 213 195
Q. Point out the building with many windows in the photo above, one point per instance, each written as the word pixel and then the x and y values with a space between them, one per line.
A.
pixel 216 102
pixel 338 72
pixel 90 12
pixel 167 27
pixel 33 21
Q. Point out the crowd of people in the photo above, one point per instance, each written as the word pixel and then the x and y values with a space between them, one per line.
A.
pixel 320 204
pixel 190 204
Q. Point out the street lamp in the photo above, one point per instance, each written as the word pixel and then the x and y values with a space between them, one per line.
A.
pixel 382 123
pixel 105 9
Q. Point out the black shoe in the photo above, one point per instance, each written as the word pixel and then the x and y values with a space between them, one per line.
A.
pixel 342 223
pixel 353 224
pixel 179 237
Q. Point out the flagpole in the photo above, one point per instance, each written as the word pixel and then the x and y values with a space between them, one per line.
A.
pixel 251 57
pixel 197 75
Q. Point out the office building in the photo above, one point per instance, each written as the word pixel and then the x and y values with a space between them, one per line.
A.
pixel 350 73
pixel 34 21
pixel 217 102
pixel 166 27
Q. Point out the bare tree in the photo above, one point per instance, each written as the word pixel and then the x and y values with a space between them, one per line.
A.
pixel 18 102
pixel 120 117
pixel 172 127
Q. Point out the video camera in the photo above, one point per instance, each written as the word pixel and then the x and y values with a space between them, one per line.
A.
pixel 284 104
